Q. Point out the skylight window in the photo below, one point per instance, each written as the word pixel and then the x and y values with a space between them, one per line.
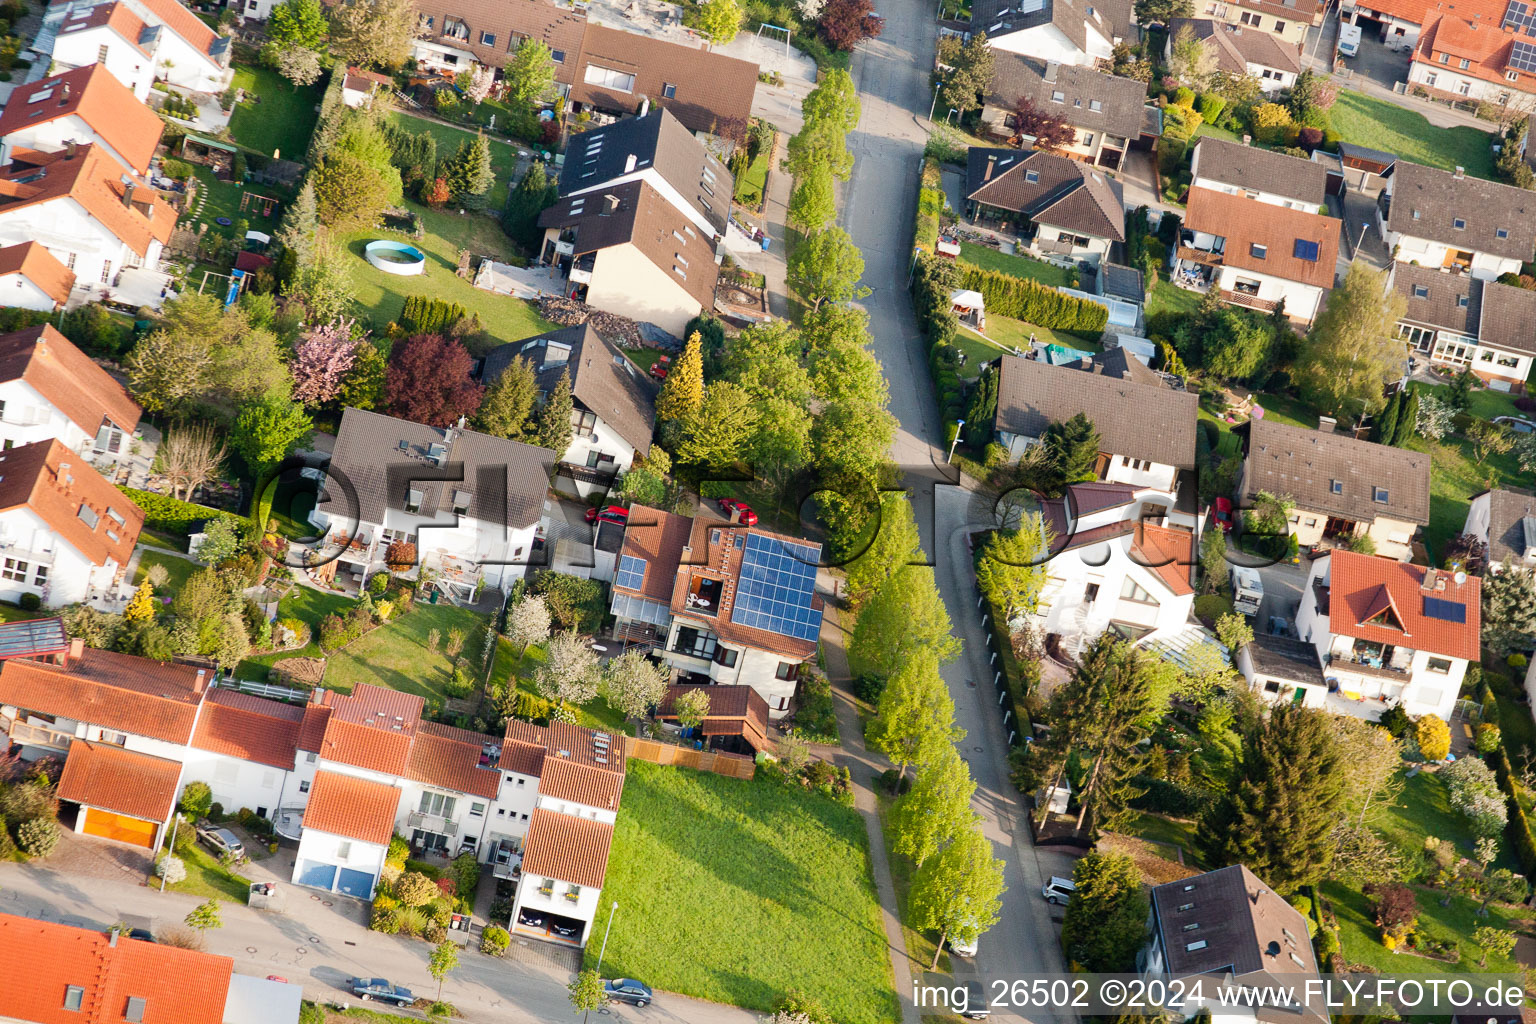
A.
pixel 1461 301
pixel 1336 486
pixel 1459 224
pixel 1197 944
pixel 1031 176
pixel 1379 495
pixel 1420 291
pixel 1501 232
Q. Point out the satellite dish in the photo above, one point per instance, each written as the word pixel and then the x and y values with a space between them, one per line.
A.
pixel 1460 577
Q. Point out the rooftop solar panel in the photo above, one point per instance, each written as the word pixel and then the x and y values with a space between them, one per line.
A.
pixel 775 587
pixel 1523 57
pixel 1519 17
pixel 631 572
pixel 1445 611
pixel 32 637
pixel 1306 250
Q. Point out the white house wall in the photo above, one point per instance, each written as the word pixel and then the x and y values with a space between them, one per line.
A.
pixel 626 282
pixel 1270 198
pixel 325 848
pixel 236 783
pixel 1156 475
pixel 1049 43
pixel 16 290
pixel 71 577
pixel 51 136
pixel 607 443
pixel 73 236
pixel 1428 253
pixel 26 416
pixel 1301 300
pixel 125 61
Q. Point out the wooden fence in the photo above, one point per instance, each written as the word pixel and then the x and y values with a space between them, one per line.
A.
pixel 736 766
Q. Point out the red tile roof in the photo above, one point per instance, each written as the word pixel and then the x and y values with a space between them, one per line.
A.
pixel 35 263
pixel 566 848
pixel 94 180
pixel 1245 222
pixel 1488 47
pixel 249 728
pixel 1421 12
pixel 345 805
pixel 115 16
pixel 116 691
pixel 658 539
pixel 107 106
pixel 564 758
pixel 312 729
pixel 60 486
pixel 39 961
pixel 113 779
pixel 450 758
pixel 1168 553
pixel 373 728
pixel 60 372
pixel 183 22
pixel 1361 585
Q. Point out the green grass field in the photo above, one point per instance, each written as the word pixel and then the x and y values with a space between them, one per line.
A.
pixel 1366 121
pixel 275 119
pixel 1159 828
pixel 449 139
pixel 740 892
pixel 179 569
pixel 308 605
pixel 397 656
pixel 1361 939
pixel 1171 298
pixel 208 878
pixel 595 715
pixel 989 258
pixel 750 186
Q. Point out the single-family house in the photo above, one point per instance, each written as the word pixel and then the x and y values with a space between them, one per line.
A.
pixel 50 389
pixel 1242 51
pixel 1504 521
pixel 451 35
pixel 1462 56
pixel 1448 220
pixel 468 502
pixel 613 414
pixel 1464 323
pixel 1286 20
pixel 1148 449
pixel 1264 175
pixel 32 278
pixel 736 721
pixel 86 106
pixel 661 151
pixel 1065 31
pixel 1107 113
pixel 628 250
pixel 1060 207
pixel 1234 934
pixel 161 36
pixel 66 534
pixel 1342 487
pixel 625 73
pixel 721 602
pixel 1389 633
pixel 1257 255
pixel 109 35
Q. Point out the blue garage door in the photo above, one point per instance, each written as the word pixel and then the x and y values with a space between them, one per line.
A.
pixel 313 873
pixel 355 883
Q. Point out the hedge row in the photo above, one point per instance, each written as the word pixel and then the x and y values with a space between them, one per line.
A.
pixel 1518 829
pixel 172 515
pixel 423 314
pixel 1033 302
pixel 1019 678
pixel 930 203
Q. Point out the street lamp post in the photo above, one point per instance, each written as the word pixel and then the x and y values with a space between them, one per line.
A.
pixel 611 911
pixel 171 851
pixel 948 458
pixel 934 105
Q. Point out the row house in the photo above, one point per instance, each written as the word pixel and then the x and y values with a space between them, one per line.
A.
pixel 1107 113
pixel 1241 52
pixel 1060 207
pixel 1446 220
pixel 1463 323
pixel 138 41
pixel 1286 20
pixel 87 107
pixel 720 602
pixel 1263 175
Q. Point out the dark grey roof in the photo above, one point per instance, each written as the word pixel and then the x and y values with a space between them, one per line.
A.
pixel 610 537
pixel 1302 464
pixel 1242 928
pixel 1509 512
pixel 1122 100
pixel 1048 189
pixel 1032 394
pixel 1449 302
pixel 659 139
pixel 1427 202
pixel 1284 658
pixel 1235 48
pixel 603 380
pixel 1113 19
pixel 1508 318
pixel 1350 151
pixel 1121 282
pixel 1263 170
pixel 507 480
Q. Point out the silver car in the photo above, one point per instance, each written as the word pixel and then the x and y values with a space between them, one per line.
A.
pixel 222 841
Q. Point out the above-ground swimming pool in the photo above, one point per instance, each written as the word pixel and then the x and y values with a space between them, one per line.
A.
pixel 396 257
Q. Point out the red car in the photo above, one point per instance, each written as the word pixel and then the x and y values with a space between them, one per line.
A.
pixel 744 514
pixel 611 514
pixel 1222 513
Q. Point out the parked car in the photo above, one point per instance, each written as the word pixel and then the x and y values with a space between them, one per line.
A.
pixel 530 919
pixel 380 989
pixel 142 934
pixel 1058 890
pixel 1221 511
pixel 744 514
pixel 611 514
pixel 976 1006
pixel 627 990
pixel 221 841
pixel 1519 424
pixel 568 930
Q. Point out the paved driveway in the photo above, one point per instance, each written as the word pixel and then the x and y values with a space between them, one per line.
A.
pixel 1378 62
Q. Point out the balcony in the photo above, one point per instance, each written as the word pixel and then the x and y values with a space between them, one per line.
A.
pixel 1247 300
pixel 432 823
pixel 581 269
pixel 39 736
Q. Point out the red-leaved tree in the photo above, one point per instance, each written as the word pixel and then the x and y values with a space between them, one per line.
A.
pixel 428 382
pixel 847 23
pixel 1049 130
pixel 321 361
pixel 436 193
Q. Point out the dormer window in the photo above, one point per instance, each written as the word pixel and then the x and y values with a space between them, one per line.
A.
pixel 461 502
pixel 1336 486
pixel 413 500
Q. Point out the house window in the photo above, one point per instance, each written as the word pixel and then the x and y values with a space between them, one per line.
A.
pixel 1379 495
pixel 106 273
pixel 413 500
pixel 101 54
pixel 1429 80
pixel 1058 96
pixel 456 29
pixel 1508 361
pixel 1250 18
pixel 1246 285
pixel 520 782
pixel 304 787
pixel 1465 63
pixel 309 757
pixel 789 670
pixel 1088 139
pixel 1031 177
pixel 557 56
pixel 1257 251
pixel 1095 105
pixel 669 90
pixel 477 810
pixel 487 39
pixel 15 570
pixel 1130 590
pixel 74 995
pixel 133 1013
pixel 1441 665
pixel 694 643
pixel 725 657
pixel 1336 486
pixel 1420 291
pixel 1445 58
pixel 439 804
pixel 461 502
pixel 523 816
pixel 1279 26
pixel 1459 224
pixel 572 892
pixel 344 849
pixel 40 576
pixel 607 78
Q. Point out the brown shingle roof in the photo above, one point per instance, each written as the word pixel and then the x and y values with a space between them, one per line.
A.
pixel 710 87
pixel 1123 100
pixel 1507 511
pixel 1303 465
pixel 117 691
pixel 733 711
pixel 657 538
pixel 1237 47
pixel 123 781
pixel 249 728
pixel 1426 202
pixel 106 105
pixel 1508 318
pixel 566 848
pixel 1360 586
pixel 1451 302
pixel 35 263
pixel 1286 658
pixel 63 374
pixel 1032 394
pixel 1263 170
pixel 345 805
pixel 1064 193
pixel 1245 222
pixel 76 502
pixel 450 758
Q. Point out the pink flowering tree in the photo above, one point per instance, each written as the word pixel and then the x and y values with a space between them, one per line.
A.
pixel 481 79
pixel 321 361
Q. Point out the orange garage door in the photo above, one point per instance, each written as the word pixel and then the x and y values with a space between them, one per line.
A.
pixel 119 827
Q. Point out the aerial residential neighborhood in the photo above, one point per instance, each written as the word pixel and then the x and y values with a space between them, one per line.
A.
pixel 742 513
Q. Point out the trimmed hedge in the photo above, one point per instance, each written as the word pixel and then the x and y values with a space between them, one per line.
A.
pixel 172 515
pixel 1019 678
pixel 930 203
pixel 1033 302
pixel 1518 828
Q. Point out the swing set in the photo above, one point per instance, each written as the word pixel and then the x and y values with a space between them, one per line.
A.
pixel 255 201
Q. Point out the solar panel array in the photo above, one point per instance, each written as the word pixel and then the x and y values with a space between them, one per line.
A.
pixel 1523 57
pixel 1306 250
pixel 1445 611
pixel 775 586
pixel 1519 16
pixel 631 573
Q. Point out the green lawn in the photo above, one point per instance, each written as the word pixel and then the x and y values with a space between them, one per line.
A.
pixel 1361 939
pixel 308 605
pixel 1486 402
pixel 1210 131
pixel 292 502
pixel 1453 478
pixel 598 714
pixel 1365 121
pixel 1159 828
pixel 742 891
pixel 206 877
pixel 179 569
pixel 750 186
pixel 449 139
pixel 1421 810
pixel 989 258
pixel 397 656
pixel 1002 336
pixel 1171 298
pixel 275 119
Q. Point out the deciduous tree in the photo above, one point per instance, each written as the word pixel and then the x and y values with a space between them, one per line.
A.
pixel 915 715
pixel 959 891
pixel 1352 351
pixel 269 430
pixel 690 708
pixel 299 66
pixel 936 809
pixel 205 916
pixel 1372 764
pixel 297 23
pixel 189 457
pixel 1011 569
pixel 322 358
pixel 847 23
pixel 1433 736
pixel 903 617
pixel 894 545
pixel 826 267
pixel 1049 129
pixel 570 673
pixel 969 71
pixel 812 204
pixel 429 382
pixel 633 683
pixel 1190 60
pixel 444 958
pixel 528 622
pixel 718 20
pixel 529 74
pixel 373 33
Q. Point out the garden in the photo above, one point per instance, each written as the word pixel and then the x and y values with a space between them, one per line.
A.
pixel 275 119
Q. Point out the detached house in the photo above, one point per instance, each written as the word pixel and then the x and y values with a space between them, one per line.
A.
pixel 722 603
pixel 1147 449
pixel 1506 522
pixel 1464 323
pixel 614 410
pixel 1066 207
pixel 1242 51
pixel 628 250
pixel 469 502
pixel 1342 487
pixel 157 39
pixel 1447 220
pixel 1106 113
pixel 1389 633
pixel 1462 56
pixel 86 107
pixel 31 278
pixel 50 389
pixel 623 73
pixel 1065 31
pixel 1265 175
pixel 1286 20
pixel 1256 254
pixel 453 34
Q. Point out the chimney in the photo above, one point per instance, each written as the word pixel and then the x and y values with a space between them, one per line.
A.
pixel 991 164
pixel 69 149
pixel 201 682
pixel 1461 172
pixel 610 203
pixel 76 649
pixel 64 95
pixel 112 937
pixel 1429 580
pixel 128 190
pixel 1327 424
pixel 1050 71
pixel 629 163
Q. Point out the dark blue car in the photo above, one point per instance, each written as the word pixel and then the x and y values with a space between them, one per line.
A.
pixel 380 989
pixel 628 990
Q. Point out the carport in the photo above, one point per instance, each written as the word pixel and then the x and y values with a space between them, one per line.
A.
pixel 120 795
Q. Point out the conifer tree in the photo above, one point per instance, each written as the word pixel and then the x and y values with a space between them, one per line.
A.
pixel 1107 915
pixel 683 391
pixel 142 607
pixel 1509 610
pixel 469 173
pixel 554 430
pixel 297 232
pixel 509 401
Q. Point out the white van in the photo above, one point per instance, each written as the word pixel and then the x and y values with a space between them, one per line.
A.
pixel 1349 40
pixel 1058 890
